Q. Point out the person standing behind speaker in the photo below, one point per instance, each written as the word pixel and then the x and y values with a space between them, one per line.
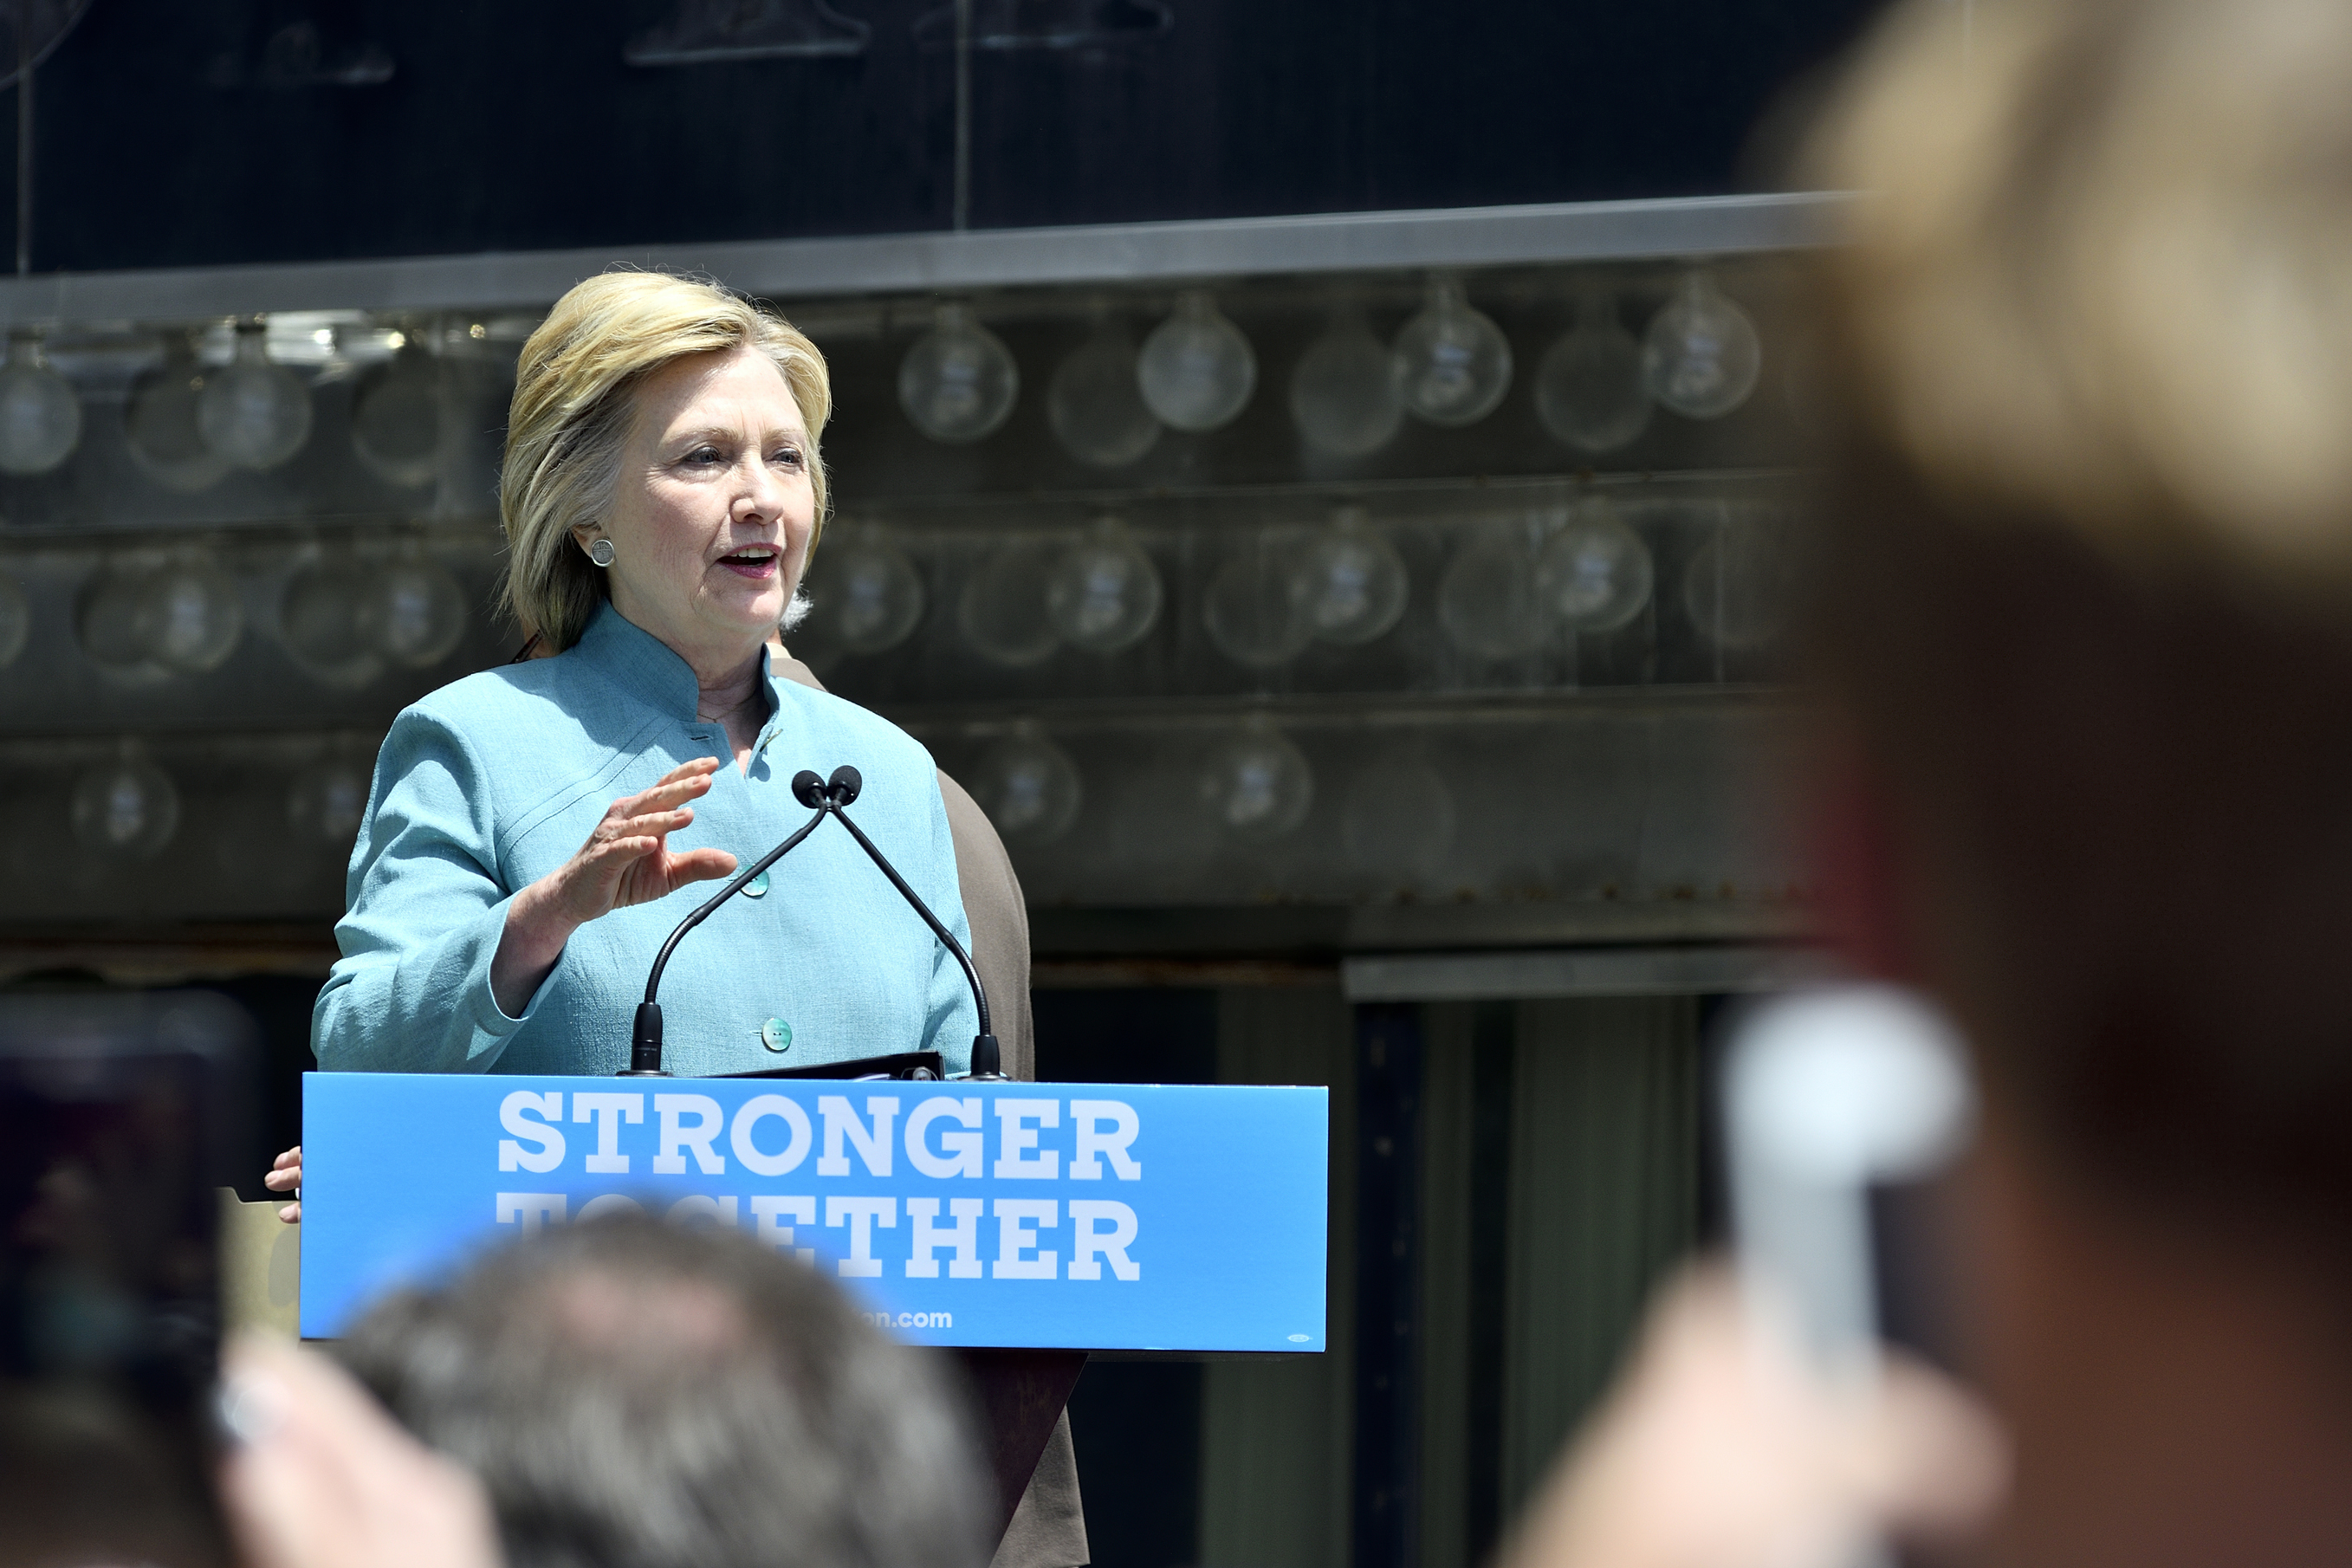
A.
pixel 534 832
pixel 1048 1527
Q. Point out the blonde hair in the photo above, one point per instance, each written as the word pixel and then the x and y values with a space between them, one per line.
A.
pixel 574 400
pixel 2098 272
pixel 2084 592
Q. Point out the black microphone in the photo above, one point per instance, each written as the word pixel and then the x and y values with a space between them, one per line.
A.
pixel 646 1039
pixel 841 790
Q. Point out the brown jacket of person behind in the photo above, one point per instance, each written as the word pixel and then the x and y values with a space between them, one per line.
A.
pixel 1049 1528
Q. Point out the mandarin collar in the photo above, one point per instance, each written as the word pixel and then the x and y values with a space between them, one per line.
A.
pixel 649 669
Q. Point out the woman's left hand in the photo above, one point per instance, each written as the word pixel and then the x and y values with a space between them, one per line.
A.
pixel 285 1176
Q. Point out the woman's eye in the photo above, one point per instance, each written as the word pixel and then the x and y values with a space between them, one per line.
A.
pixel 704 455
pixel 788 455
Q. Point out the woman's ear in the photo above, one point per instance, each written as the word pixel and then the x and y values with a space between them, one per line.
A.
pixel 597 546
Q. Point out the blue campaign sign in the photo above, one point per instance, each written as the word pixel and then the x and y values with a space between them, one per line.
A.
pixel 1090 1217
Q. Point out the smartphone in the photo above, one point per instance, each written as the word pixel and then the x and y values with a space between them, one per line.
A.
pixel 1842 1105
pixel 121 1115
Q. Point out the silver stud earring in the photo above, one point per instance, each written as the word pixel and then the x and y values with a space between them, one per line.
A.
pixel 600 552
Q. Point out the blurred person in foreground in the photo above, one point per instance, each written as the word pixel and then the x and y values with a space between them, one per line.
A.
pixel 632 1394
pixel 315 1475
pixel 2084 638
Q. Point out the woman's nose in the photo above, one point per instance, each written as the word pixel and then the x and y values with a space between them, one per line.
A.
pixel 761 495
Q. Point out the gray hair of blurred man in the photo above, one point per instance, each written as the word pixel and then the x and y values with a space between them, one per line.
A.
pixel 636 1395
pixel 2084 387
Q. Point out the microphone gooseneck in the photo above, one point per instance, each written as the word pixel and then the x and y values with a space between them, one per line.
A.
pixel 824 798
pixel 841 790
pixel 645 1035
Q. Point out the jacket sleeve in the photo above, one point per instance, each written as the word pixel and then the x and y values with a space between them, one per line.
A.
pixel 427 910
pixel 952 1021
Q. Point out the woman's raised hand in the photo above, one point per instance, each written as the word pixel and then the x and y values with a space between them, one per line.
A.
pixel 626 861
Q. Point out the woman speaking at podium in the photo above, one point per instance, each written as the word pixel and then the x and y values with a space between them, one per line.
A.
pixel 534 832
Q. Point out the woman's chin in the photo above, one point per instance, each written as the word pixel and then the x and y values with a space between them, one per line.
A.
pixel 753 614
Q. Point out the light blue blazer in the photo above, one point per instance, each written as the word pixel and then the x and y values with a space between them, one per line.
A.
pixel 491 783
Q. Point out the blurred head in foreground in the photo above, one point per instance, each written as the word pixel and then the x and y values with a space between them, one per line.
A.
pixel 633 1394
pixel 2086 620
pixel 2088 585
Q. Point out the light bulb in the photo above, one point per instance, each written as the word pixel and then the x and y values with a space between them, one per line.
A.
pixel 397 417
pixel 190 617
pixel 125 808
pixel 1595 574
pixel 1256 607
pixel 40 417
pixel 1398 817
pixel 1029 787
pixel 108 617
pixel 1256 785
pixel 161 423
pixel 1196 371
pixel 322 620
pixel 1488 601
pixel 1343 392
pixel 326 800
pixel 417 613
pixel 958 383
pixel 1356 585
pixel 254 414
pixel 1589 388
pixel 1701 355
pixel 1096 411
pixel 16 619
pixel 1453 364
pixel 1001 610
pixel 1104 593
pixel 868 596
pixel 1740 586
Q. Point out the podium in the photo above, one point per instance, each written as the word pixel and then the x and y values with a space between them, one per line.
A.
pixel 991 1218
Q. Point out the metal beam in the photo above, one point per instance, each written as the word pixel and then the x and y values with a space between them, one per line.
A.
pixel 1578 972
pixel 989 259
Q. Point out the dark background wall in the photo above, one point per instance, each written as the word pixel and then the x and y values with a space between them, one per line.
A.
pixel 514 125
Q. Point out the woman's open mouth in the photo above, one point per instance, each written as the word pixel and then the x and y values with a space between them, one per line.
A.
pixel 755 561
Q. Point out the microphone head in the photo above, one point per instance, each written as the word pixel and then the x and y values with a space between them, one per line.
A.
pixel 843 787
pixel 808 789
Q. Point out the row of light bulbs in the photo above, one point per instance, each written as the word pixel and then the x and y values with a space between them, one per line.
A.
pixel 126 808
pixel 1252 785
pixel 1249 785
pixel 190 425
pixel 1450 365
pixel 182 614
pixel 1507 590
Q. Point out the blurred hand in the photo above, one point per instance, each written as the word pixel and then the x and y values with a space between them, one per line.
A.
pixel 625 861
pixel 319 1476
pixel 1719 1449
pixel 285 1176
